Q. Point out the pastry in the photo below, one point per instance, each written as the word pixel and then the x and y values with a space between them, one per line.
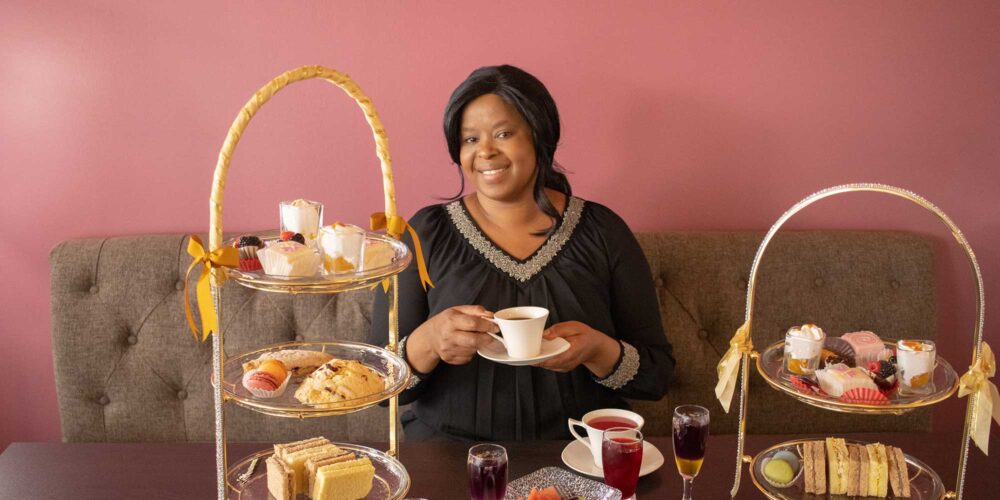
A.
pixel 343 247
pixel 302 216
pixel 837 379
pixel 248 246
pixel 779 472
pixel 289 258
pixel 348 480
pixel 339 380
pixel 803 347
pixel 298 361
pixel 867 346
pixel 280 479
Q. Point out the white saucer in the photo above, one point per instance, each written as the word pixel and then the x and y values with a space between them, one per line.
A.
pixel 576 456
pixel 495 351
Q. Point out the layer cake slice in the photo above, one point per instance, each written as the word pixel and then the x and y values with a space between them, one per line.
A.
pixel 280 479
pixel 348 480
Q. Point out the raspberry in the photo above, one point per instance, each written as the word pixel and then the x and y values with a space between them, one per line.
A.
pixel 286 235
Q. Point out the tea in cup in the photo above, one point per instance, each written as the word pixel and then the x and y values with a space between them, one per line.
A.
pixel 598 421
pixel 522 329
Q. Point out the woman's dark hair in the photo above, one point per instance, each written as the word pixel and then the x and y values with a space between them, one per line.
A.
pixel 530 97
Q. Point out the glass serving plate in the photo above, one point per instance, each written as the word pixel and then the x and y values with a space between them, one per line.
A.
pixel 391 479
pixel 771 367
pixel 570 484
pixel 392 367
pixel 925 484
pixel 384 257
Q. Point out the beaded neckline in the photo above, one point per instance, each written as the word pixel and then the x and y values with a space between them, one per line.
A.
pixel 519 270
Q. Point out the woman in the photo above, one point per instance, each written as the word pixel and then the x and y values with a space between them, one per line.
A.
pixel 521 238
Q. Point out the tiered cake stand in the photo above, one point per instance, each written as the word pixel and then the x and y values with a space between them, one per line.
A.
pixel 768 363
pixel 385 257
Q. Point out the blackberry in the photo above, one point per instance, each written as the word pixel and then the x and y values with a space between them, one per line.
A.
pixel 299 238
pixel 249 240
pixel 886 369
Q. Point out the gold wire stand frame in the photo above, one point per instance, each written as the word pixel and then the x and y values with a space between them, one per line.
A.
pixel 215 241
pixel 751 285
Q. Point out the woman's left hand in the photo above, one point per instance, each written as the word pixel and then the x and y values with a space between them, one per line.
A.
pixel 587 346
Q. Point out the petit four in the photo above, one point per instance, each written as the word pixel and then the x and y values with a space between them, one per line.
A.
pixel 867 346
pixel 803 347
pixel 339 380
pixel 289 258
pixel 348 480
pixel 838 379
pixel 343 247
pixel 300 362
pixel 779 472
pixel 248 246
pixel 302 216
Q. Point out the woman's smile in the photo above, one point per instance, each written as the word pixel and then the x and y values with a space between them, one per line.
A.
pixel 498 152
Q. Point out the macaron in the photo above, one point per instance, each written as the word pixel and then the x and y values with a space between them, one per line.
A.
pixel 778 472
pixel 275 368
pixel 261 380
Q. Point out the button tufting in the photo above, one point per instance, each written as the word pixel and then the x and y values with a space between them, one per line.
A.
pixel 93 289
pixel 703 334
pixel 103 400
pixel 299 338
pixel 182 394
pixel 132 339
pixel 818 281
pixel 894 284
pixel 658 282
pixel 179 285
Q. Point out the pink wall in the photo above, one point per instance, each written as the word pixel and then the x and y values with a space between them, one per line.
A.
pixel 693 116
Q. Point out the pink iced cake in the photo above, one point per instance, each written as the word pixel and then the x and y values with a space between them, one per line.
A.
pixel 866 345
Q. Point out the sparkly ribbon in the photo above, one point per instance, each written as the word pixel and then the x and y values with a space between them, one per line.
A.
pixel 729 366
pixel 395 226
pixel 988 404
pixel 221 257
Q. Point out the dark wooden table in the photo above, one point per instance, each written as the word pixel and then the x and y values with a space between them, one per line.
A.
pixel 187 470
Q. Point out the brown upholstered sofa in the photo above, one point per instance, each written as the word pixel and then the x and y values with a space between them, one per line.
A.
pixel 128 369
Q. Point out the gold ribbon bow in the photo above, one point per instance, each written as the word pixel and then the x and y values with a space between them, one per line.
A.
pixel 729 366
pixel 977 380
pixel 221 257
pixel 395 226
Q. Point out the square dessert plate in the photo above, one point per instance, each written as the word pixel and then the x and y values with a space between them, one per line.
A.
pixel 925 484
pixel 571 484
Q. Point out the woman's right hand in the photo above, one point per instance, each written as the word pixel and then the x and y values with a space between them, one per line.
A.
pixel 453 336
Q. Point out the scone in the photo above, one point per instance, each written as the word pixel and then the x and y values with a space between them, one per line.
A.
pixel 339 380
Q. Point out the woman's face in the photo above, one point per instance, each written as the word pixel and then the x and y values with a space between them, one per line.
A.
pixel 498 153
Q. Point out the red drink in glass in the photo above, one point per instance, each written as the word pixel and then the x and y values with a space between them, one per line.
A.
pixel 621 453
pixel 690 430
pixel 487 464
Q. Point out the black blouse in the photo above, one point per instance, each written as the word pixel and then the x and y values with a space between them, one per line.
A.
pixel 590 269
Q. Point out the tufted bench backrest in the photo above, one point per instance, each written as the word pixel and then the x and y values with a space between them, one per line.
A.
pixel 127 368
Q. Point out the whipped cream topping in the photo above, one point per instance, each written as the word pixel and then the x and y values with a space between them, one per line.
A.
pixel 804 342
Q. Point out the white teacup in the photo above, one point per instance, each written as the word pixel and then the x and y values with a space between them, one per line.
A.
pixel 597 421
pixel 522 329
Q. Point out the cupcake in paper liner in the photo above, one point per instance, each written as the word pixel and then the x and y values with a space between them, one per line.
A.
pixel 782 469
pixel 248 246
pixel 837 350
pixel 264 384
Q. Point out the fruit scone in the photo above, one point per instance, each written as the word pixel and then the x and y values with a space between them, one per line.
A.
pixel 339 380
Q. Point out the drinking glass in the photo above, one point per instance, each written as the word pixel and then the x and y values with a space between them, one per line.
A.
pixel 621 453
pixel 487 465
pixel 690 429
